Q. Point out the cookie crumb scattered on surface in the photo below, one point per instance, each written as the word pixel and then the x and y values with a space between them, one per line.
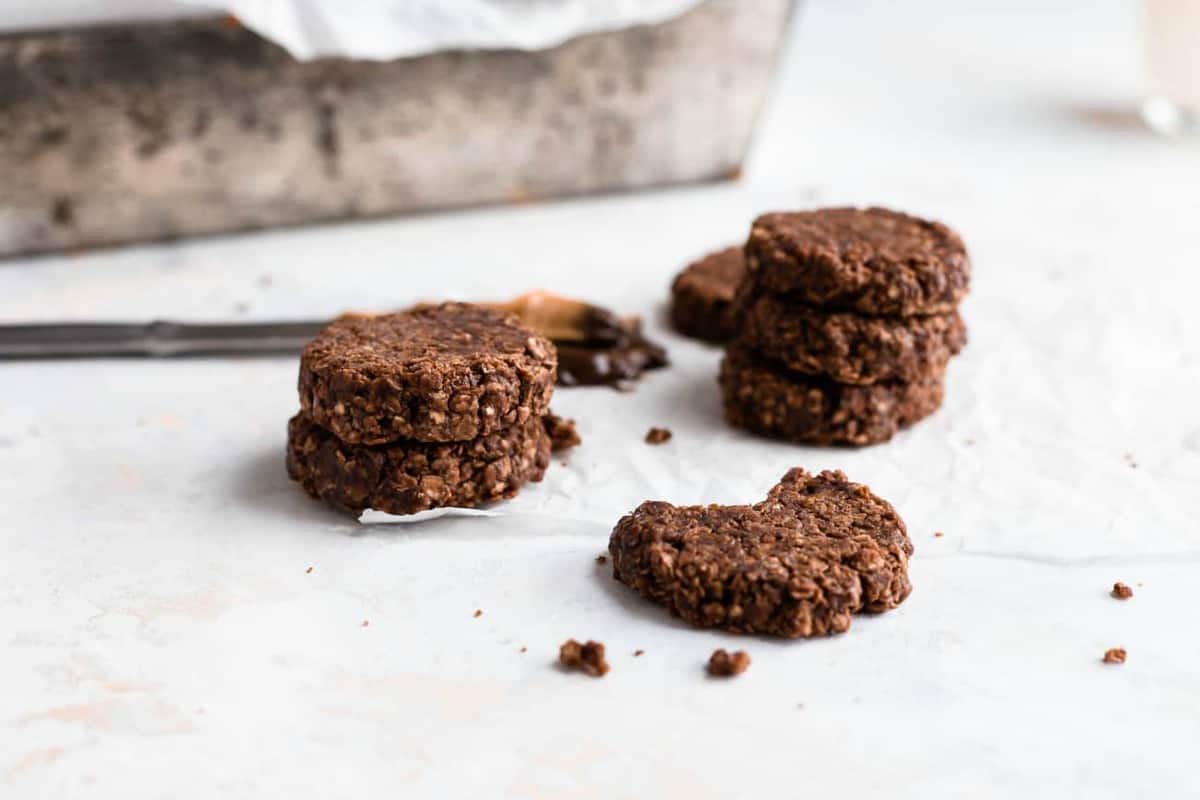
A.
pixel 366 622
pixel 523 649
pixel 637 653
pixel 587 658
pixel 478 613
pixel 938 535
pixel 563 434
pixel 601 559
pixel 308 571
pixel 658 436
pixel 1114 655
pixel 1121 591
pixel 723 664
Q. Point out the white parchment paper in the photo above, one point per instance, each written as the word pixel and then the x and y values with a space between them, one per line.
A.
pixel 163 636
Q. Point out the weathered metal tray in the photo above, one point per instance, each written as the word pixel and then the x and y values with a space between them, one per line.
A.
pixel 153 131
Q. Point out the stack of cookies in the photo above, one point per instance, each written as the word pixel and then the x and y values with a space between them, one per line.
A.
pixel 439 406
pixel 845 321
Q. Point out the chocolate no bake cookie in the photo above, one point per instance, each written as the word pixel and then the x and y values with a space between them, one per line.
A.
pixel 702 295
pixel 409 476
pixel 800 563
pixel 439 373
pixel 848 347
pixel 760 396
pixel 873 260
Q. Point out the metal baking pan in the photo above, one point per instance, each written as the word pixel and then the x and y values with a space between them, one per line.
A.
pixel 162 130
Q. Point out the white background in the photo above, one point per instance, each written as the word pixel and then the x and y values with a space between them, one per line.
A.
pixel 162 638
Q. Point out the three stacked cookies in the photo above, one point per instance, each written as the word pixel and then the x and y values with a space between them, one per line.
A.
pixel 845 321
pixel 439 406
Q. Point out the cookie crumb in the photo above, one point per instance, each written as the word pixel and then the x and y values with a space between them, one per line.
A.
pixel 601 559
pixel 938 535
pixel 478 613
pixel 563 434
pixel 1121 591
pixel 523 649
pixel 366 622
pixel 308 571
pixel 723 664
pixel 1114 655
pixel 637 653
pixel 587 658
pixel 658 436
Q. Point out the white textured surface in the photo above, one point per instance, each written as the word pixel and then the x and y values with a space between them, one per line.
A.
pixel 162 637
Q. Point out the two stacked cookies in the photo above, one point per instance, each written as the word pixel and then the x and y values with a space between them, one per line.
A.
pixel 845 321
pixel 439 406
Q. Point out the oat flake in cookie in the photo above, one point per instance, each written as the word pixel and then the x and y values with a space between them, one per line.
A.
pixel 409 476
pixel 872 260
pixel 800 563
pixel 439 373
pixel 702 295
